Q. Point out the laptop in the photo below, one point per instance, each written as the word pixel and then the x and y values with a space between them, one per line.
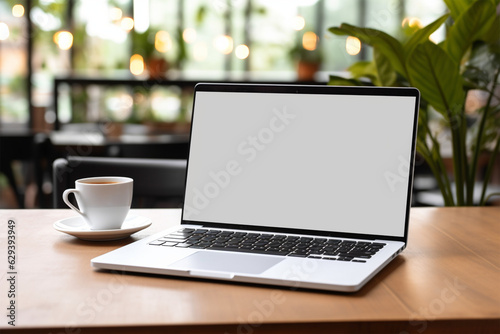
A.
pixel 289 185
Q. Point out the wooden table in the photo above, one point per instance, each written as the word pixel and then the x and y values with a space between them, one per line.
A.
pixel 446 281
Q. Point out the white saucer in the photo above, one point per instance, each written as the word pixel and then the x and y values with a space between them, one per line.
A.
pixel 77 227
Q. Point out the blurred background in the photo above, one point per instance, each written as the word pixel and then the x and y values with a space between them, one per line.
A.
pixel 115 77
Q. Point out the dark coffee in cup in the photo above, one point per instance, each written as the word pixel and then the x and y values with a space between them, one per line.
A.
pixel 103 202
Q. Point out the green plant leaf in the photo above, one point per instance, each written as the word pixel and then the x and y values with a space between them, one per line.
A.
pixel 386 44
pixel 457 7
pixel 341 81
pixel 493 35
pixel 471 25
pixel 437 77
pixel 385 73
pixel 364 69
pixel 361 68
pixel 201 14
pixel 423 34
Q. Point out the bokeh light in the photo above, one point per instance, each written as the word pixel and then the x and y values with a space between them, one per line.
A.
pixel 18 10
pixel 242 51
pixel 115 14
pixel 200 51
pixel 299 23
pixel 412 22
pixel 163 41
pixel 310 41
pixel 4 31
pixel 137 64
pixel 352 45
pixel 63 39
pixel 224 44
pixel 189 35
pixel 127 23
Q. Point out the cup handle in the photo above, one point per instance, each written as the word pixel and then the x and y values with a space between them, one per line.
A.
pixel 68 203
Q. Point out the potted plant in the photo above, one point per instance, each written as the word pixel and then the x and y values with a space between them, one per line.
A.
pixel 308 62
pixel 144 44
pixel 449 75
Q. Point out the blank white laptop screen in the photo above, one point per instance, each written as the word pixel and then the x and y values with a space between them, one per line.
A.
pixel 301 161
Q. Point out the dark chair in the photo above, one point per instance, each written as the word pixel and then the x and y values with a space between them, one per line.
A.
pixel 16 146
pixel 157 182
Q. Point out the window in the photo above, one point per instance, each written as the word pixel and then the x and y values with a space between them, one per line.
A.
pixel 193 40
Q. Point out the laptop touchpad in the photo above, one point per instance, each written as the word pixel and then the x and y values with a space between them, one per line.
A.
pixel 226 262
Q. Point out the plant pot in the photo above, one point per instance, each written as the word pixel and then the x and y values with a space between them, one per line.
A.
pixel 157 68
pixel 306 71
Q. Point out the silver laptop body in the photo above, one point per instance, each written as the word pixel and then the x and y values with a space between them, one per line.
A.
pixel 288 185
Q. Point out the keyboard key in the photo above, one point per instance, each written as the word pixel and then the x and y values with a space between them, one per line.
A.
pixel 273 252
pixel 157 242
pixel 183 245
pixel 261 243
pixel 203 244
pixel 361 256
pixel 225 248
pixel 362 243
pixel 331 253
pixel 169 244
pixel 173 236
pixel 299 253
pixel 182 232
pixel 172 240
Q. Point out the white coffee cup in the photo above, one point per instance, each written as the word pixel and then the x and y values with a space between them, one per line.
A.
pixel 103 202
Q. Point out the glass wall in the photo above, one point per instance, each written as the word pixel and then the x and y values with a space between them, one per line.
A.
pixel 195 40
pixel 13 59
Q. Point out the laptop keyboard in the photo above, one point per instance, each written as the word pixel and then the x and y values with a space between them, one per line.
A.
pixel 271 244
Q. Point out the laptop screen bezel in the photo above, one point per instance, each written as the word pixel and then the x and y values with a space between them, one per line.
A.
pixel 311 89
